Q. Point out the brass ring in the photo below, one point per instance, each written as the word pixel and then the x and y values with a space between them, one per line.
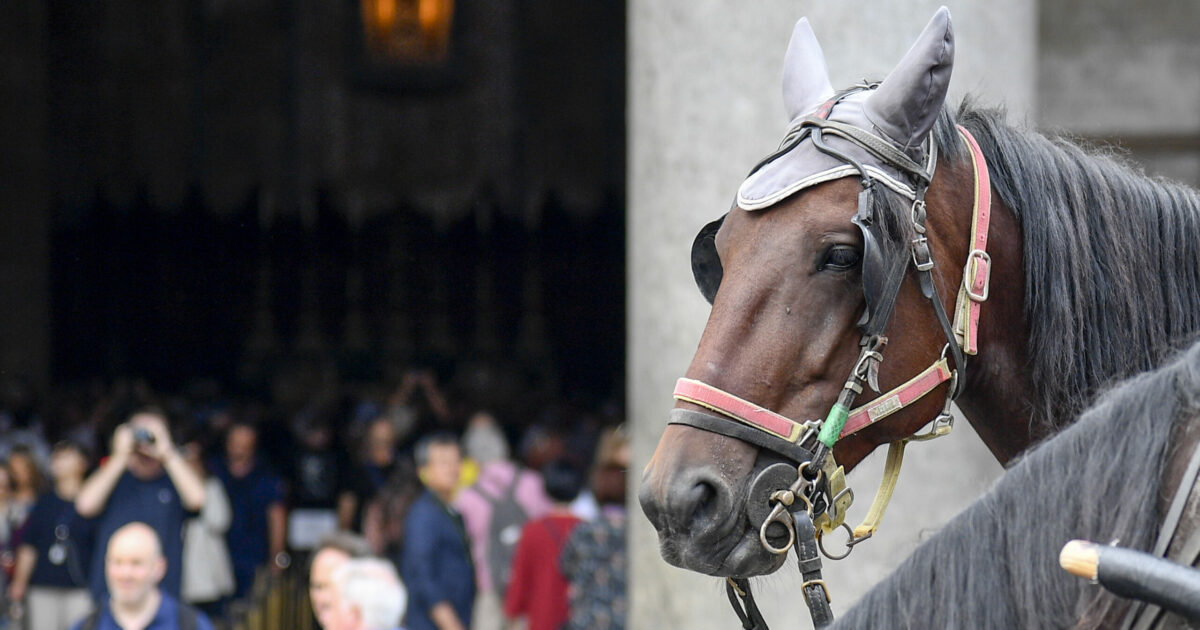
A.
pixel 849 547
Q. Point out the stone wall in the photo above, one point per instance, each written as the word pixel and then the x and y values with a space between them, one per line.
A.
pixel 1126 74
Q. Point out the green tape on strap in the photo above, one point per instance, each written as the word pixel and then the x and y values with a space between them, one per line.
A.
pixel 831 430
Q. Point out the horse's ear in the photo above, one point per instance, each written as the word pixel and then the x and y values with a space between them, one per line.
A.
pixel 907 103
pixel 805 79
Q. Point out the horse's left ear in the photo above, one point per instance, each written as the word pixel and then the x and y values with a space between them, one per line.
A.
pixel 805 77
pixel 907 103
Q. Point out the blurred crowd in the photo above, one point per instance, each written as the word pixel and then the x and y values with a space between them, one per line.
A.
pixel 122 507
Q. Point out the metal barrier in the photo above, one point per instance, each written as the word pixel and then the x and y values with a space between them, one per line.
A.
pixel 276 602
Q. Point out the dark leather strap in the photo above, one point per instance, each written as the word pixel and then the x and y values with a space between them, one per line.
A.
pixel 742 600
pixel 739 431
pixel 929 289
pixel 872 143
pixel 809 556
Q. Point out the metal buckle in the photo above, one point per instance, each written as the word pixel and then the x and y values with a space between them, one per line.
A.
pixel 942 425
pixel 920 246
pixel 917 214
pixel 872 350
pixel 832 510
pixel 820 583
pixel 972 269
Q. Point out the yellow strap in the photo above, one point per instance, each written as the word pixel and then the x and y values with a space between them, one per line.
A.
pixel 891 474
pixel 842 497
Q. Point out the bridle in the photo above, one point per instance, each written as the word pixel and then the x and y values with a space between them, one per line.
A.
pixel 809 499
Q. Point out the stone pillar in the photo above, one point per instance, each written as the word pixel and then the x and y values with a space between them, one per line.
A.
pixel 704 106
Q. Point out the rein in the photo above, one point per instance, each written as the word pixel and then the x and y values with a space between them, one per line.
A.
pixel 810 499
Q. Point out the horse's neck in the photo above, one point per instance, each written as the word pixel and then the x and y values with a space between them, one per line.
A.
pixel 999 397
pixel 1002 421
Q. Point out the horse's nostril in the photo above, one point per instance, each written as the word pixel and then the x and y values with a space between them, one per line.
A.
pixel 704 505
pixel 701 499
pixel 693 504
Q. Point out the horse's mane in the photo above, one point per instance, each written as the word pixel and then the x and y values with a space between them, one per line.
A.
pixel 995 565
pixel 1112 257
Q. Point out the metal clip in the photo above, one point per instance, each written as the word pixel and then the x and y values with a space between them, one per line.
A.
pixel 804 482
pixel 784 499
pixel 781 516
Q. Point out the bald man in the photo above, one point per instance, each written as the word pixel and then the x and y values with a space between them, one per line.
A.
pixel 133 568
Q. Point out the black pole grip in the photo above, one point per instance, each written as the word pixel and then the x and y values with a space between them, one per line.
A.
pixel 1139 575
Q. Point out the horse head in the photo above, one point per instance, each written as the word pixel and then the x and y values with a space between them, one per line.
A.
pixel 825 266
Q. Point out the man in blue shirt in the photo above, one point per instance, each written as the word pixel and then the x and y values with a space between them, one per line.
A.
pixel 133 566
pixel 145 479
pixel 258 532
pixel 435 561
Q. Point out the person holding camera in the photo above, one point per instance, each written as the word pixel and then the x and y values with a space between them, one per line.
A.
pixel 144 479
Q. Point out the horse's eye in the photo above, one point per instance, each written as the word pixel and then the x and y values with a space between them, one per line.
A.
pixel 840 258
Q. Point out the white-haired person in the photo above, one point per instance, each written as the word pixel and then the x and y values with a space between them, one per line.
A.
pixel 368 596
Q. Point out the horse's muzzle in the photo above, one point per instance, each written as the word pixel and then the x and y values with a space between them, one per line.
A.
pixel 699 509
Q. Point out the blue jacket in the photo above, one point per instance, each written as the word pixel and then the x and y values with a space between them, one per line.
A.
pixel 435 562
pixel 167 618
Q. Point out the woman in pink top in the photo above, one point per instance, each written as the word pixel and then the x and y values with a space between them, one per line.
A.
pixel 498 479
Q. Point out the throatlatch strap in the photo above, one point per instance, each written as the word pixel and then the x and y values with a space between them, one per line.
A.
pixel 887 485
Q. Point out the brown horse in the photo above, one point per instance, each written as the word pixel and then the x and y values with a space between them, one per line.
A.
pixel 841 260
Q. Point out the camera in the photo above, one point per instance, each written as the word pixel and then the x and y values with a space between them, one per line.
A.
pixel 142 435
